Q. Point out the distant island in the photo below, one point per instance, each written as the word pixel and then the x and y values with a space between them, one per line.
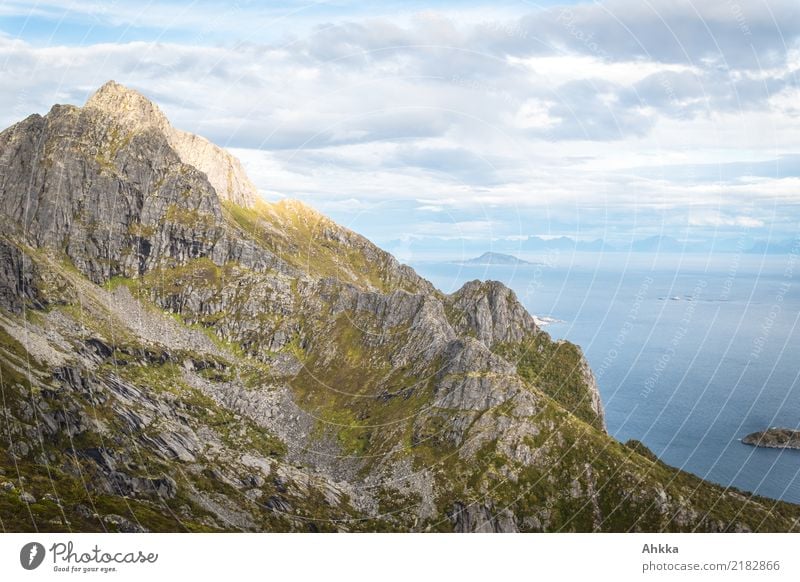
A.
pixel 774 438
pixel 488 259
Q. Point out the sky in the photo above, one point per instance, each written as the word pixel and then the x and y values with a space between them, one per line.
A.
pixel 459 124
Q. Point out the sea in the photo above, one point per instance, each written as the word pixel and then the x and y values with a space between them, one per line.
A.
pixel 692 352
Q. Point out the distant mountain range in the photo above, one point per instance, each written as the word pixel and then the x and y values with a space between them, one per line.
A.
pixel 493 259
pixel 658 243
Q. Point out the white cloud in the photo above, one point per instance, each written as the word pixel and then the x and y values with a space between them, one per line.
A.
pixel 716 220
pixel 560 69
pixel 535 114
pixel 786 102
pixel 465 229
pixel 453 114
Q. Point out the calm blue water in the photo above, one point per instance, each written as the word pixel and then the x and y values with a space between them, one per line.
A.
pixel 691 352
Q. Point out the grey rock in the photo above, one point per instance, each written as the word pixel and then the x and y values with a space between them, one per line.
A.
pixel 121 483
pixel 17 279
pixel 136 113
pixel 116 198
pixel 475 518
pixel 121 524
pixel 255 481
pixel 594 391
pixel 174 445
pixel 84 511
pixel 473 378
pixel 278 505
pixel 254 494
pixel 102 456
pixel 20 449
pixel 492 312
pixel 27 497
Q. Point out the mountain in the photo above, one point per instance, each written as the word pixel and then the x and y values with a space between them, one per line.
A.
pixel 431 248
pixel 564 243
pixel 178 355
pixel 134 113
pixel 494 259
pixel 771 247
pixel 658 243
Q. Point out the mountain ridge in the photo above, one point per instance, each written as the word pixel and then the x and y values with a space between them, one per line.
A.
pixel 135 112
pixel 173 360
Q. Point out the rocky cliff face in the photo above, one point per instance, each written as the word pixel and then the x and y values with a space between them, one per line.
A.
pixel 135 113
pixel 178 355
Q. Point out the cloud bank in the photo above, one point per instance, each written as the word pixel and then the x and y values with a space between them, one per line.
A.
pixel 587 119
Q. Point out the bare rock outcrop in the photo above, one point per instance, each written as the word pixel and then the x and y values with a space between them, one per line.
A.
pixel 491 312
pixel 137 113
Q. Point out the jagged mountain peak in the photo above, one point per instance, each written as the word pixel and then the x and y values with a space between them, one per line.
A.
pixel 128 107
pixel 492 312
pixel 135 112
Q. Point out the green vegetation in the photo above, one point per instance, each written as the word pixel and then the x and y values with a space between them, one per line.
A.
pixel 174 280
pixel 189 217
pixel 315 244
pixel 74 507
pixel 105 157
pixel 555 369
pixel 584 480
pixel 140 230
pixel 358 396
